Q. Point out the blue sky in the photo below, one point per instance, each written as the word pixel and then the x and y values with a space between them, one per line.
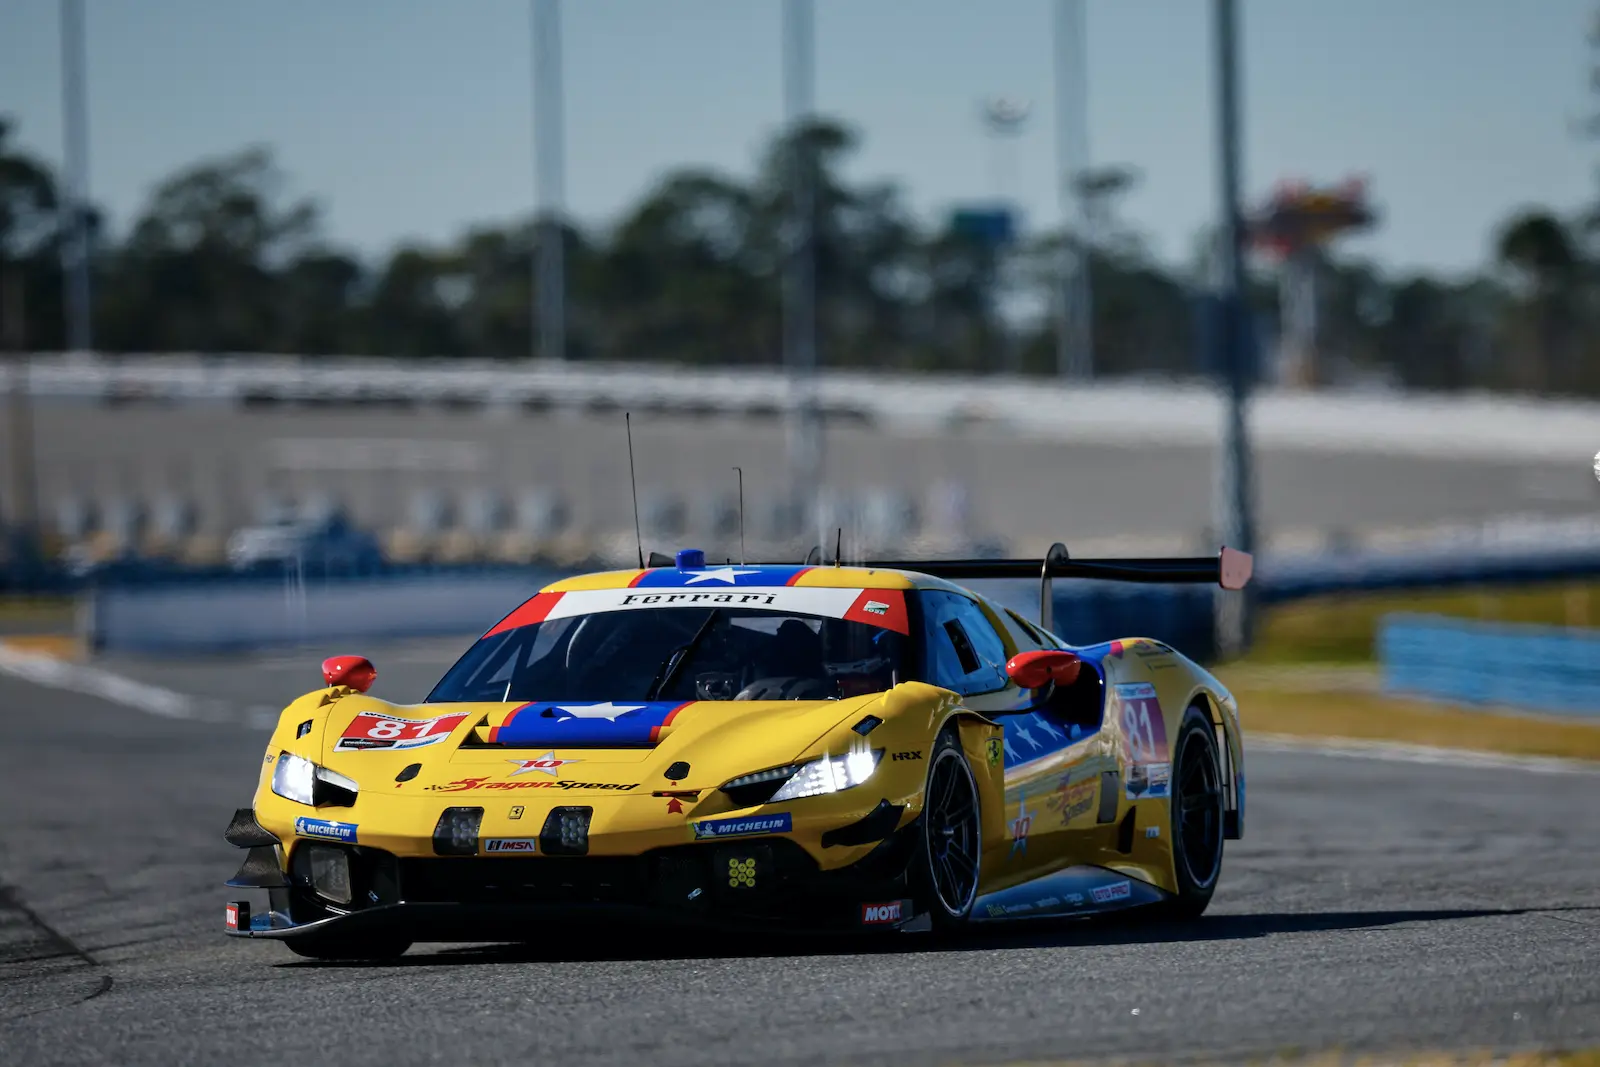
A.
pixel 411 120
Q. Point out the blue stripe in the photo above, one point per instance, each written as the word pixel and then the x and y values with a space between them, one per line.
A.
pixel 566 724
pixel 721 576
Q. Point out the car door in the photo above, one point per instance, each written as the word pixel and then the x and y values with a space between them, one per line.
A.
pixel 967 652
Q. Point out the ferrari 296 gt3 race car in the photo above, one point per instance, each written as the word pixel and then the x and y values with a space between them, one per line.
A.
pixel 818 748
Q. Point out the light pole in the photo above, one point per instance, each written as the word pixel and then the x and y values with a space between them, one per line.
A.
pixel 1005 118
pixel 799 276
pixel 75 122
pixel 1233 499
pixel 1075 313
pixel 550 183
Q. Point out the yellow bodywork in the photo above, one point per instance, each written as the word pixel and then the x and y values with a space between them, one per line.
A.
pixel 1052 804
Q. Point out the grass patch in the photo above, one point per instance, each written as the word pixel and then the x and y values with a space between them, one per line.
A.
pixel 36 614
pixel 1319 711
pixel 1341 628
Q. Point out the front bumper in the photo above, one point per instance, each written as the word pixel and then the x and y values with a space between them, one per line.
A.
pixel 760 883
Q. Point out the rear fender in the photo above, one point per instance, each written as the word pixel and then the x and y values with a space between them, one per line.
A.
pixel 1231 746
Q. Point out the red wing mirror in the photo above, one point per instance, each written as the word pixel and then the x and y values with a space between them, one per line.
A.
pixel 357 672
pixel 1031 670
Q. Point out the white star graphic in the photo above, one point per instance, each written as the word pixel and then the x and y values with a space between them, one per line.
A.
pixel 1023 732
pixel 721 574
pixel 1044 724
pixel 607 711
pixel 1009 750
pixel 546 763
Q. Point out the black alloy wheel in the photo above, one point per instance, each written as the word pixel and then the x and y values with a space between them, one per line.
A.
pixel 952 834
pixel 1197 814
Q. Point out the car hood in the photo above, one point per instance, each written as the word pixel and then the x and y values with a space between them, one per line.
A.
pixel 582 746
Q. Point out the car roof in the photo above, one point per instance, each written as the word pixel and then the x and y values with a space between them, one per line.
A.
pixel 715 576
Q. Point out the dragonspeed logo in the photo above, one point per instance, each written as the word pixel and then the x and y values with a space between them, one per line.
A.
pixel 754 824
pixel 877 914
pixel 1105 894
pixel 328 831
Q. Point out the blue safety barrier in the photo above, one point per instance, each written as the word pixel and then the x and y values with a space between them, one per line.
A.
pixel 1541 668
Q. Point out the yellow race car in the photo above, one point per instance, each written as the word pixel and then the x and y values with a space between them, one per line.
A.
pixel 816 747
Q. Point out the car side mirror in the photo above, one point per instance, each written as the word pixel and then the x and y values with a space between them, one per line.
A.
pixel 1031 670
pixel 357 672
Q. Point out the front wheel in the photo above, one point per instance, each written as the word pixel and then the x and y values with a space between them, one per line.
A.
pixel 1196 803
pixel 951 844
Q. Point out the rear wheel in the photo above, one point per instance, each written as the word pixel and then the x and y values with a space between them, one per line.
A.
pixel 368 947
pixel 1196 803
pixel 946 867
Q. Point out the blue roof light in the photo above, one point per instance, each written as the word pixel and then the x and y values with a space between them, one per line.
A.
pixel 691 559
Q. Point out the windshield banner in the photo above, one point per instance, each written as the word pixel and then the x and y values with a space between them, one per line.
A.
pixel 883 608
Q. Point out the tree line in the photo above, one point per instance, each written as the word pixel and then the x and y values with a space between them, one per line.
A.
pixel 223 259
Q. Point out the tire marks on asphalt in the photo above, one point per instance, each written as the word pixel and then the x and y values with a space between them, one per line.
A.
pixel 41 969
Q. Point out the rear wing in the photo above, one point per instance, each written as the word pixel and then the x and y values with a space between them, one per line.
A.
pixel 1229 568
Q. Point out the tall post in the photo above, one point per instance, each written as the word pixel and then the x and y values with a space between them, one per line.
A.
pixel 800 282
pixel 1074 314
pixel 24 518
pixel 549 147
pixel 76 254
pixel 1233 499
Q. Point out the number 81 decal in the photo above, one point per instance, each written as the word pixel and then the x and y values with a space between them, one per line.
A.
pixel 370 730
pixel 1146 731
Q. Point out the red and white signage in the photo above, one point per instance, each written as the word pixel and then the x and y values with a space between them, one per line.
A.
pixel 233 917
pixel 370 730
pixel 882 914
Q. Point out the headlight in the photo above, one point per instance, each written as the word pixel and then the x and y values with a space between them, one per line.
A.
pixel 298 779
pixel 830 774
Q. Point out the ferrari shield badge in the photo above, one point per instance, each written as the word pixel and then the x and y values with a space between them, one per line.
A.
pixel 1149 768
pixel 996 752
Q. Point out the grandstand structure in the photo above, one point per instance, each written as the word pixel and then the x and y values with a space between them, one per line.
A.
pixel 454 462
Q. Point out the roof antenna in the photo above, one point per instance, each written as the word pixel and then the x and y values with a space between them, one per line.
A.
pixel 741 515
pixel 627 420
pixel 838 544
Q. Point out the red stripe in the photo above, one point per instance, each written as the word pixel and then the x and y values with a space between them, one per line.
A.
pixel 537 609
pixel 637 578
pixel 796 576
pixel 655 731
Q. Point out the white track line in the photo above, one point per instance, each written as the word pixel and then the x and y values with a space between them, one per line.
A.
pixel 54 673
pixel 1395 751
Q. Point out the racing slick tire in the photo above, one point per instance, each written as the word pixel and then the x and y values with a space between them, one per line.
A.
pixel 944 868
pixel 1196 802
pixel 369 947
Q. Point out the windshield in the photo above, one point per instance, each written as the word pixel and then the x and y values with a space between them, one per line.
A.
pixel 679 653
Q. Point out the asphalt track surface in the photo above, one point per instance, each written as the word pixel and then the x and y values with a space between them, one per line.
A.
pixel 1374 906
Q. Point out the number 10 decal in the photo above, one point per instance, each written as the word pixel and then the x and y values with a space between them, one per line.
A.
pixel 370 730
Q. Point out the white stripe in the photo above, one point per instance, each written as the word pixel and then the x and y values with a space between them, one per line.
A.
pixel 114 688
pixel 829 603
pixel 1395 751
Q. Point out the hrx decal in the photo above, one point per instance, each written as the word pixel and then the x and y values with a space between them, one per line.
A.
pixel 907 755
pixel 780 823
